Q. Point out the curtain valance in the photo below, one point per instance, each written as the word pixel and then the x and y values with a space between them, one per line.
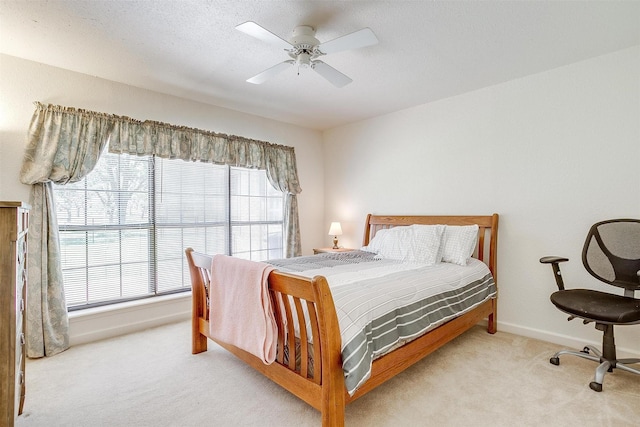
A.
pixel 145 138
pixel 190 144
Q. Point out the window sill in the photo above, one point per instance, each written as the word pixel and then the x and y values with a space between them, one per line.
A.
pixel 129 305
pixel 98 323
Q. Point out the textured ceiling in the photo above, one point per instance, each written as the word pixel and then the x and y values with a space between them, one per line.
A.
pixel 428 50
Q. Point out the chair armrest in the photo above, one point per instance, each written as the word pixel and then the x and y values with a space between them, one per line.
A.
pixel 555 265
pixel 555 259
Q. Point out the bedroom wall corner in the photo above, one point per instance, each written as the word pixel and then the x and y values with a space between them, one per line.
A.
pixel 552 153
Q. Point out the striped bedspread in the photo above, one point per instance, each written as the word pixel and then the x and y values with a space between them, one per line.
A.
pixel 382 304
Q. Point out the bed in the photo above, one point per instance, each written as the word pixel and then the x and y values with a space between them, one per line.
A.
pixel 309 355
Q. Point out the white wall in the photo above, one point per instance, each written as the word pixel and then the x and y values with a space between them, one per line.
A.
pixel 22 82
pixel 552 153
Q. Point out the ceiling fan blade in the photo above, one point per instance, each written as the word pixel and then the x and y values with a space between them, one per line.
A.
pixel 334 76
pixel 270 72
pixel 356 40
pixel 255 30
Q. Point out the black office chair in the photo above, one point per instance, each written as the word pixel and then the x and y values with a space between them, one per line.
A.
pixel 611 254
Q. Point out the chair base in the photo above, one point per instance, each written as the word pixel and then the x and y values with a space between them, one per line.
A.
pixel 605 365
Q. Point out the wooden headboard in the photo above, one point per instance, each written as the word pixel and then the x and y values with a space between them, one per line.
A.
pixel 488 226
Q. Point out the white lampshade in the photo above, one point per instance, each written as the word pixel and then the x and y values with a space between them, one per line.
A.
pixel 335 229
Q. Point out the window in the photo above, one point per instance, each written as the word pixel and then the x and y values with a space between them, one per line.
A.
pixel 124 228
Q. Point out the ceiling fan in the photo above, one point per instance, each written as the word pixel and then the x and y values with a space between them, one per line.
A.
pixel 304 50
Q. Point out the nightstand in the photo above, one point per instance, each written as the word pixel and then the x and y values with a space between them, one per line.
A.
pixel 330 250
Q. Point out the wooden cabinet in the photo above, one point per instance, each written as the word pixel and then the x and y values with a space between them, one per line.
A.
pixel 14 223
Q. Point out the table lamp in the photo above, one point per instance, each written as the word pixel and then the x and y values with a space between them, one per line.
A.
pixel 335 230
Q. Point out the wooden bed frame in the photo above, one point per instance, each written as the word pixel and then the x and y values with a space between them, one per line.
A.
pixel 323 385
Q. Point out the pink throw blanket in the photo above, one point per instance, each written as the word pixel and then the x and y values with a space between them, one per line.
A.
pixel 240 308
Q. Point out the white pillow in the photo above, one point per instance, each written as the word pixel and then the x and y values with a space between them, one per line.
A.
pixel 398 243
pixel 377 242
pixel 413 243
pixel 429 243
pixel 459 243
pixel 390 242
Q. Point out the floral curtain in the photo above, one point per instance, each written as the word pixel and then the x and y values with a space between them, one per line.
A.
pixel 64 145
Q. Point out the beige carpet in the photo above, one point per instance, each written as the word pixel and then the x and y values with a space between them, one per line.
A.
pixel 151 379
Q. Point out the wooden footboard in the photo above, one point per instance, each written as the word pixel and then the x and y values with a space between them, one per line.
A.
pixel 300 301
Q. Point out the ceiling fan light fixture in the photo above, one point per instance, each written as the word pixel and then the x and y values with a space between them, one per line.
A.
pixel 304 49
pixel 303 60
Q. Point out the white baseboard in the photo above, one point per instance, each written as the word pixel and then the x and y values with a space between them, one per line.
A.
pixel 110 321
pixel 563 340
pixel 106 322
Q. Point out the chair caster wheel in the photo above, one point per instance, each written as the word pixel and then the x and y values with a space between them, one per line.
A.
pixel 554 361
pixel 595 386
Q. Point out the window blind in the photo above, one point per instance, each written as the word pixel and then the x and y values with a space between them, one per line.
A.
pixel 124 228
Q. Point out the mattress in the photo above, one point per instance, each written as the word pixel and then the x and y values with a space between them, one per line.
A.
pixel 382 304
